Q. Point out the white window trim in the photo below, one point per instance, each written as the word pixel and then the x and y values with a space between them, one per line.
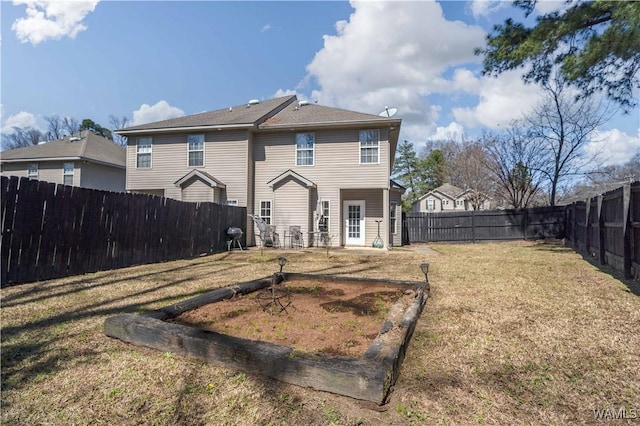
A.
pixel 270 210
pixel 150 152
pixel 65 173
pixel 394 209
pixel 189 151
pixel 360 148
pixel 37 171
pixel 313 150
pixel 328 217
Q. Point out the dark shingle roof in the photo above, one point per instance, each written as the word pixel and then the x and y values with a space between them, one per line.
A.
pixel 90 147
pixel 313 114
pixel 235 115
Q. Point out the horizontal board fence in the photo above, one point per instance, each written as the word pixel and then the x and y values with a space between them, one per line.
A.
pixel 52 231
pixel 485 225
pixel 607 228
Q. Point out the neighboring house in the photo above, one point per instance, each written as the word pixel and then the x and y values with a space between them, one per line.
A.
pixel 291 163
pixel 446 197
pixel 87 160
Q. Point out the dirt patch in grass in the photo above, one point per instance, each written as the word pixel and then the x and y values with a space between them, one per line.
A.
pixel 320 317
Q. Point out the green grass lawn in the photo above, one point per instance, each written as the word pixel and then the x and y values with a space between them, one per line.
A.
pixel 513 333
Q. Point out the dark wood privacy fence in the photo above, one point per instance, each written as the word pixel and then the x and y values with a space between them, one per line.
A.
pixel 607 227
pixel 51 231
pixel 543 222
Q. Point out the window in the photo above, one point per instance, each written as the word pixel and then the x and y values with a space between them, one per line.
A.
pixel 431 205
pixel 392 218
pixel 143 160
pixel 265 211
pixel 195 145
pixel 323 223
pixel 369 146
pixel 232 202
pixel 32 170
pixel 304 149
pixel 67 173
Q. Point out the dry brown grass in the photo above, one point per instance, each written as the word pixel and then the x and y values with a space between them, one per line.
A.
pixel 514 333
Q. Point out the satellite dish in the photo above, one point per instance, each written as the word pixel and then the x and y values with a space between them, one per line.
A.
pixel 388 112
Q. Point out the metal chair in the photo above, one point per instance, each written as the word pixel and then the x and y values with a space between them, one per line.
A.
pixel 267 233
pixel 296 239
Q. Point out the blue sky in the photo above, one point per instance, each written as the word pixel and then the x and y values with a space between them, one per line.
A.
pixel 154 60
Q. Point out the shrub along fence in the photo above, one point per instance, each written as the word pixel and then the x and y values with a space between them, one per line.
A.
pixel 51 231
pixel 485 225
pixel 607 227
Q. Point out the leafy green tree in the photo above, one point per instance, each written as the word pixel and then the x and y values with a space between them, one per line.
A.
pixel 432 171
pixel 595 45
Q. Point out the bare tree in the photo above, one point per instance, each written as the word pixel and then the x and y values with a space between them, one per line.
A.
pixel 561 125
pixel 55 126
pixel 22 137
pixel 118 123
pixel 70 125
pixel 516 162
pixel 467 169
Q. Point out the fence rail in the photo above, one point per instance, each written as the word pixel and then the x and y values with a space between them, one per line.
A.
pixel 607 227
pixel 543 222
pixel 51 231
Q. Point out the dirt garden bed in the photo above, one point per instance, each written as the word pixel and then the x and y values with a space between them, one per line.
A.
pixel 338 334
pixel 324 316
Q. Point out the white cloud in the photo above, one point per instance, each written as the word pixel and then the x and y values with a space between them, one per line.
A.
pixel 502 99
pixel 392 54
pixel 161 110
pixel 266 28
pixel 547 6
pixel 22 119
pixel 613 146
pixel 47 19
pixel 453 131
pixel 487 7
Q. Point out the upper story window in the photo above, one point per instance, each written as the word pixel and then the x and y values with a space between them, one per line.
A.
pixel 196 150
pixel 305 143
pixel 369 146
pixel 67 173
pixel 32 170
pixel 143 153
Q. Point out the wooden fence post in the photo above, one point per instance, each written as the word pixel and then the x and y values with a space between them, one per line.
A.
pixel 626 230
pixel 587 226
pixel 601 233
pixel 473 226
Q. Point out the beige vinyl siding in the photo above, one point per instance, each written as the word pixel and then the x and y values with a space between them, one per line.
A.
pixel 226 155
pixel 290 207
pixel 98 176
pixel 48 171
pixel 195 190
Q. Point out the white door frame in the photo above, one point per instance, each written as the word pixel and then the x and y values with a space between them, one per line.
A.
pixel 360 230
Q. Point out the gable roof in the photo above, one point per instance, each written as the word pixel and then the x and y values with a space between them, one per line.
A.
pixel 445 189
pixel 290 173
pixel 247 115
pixel 206 177
pixel 90 147
pixel 303 114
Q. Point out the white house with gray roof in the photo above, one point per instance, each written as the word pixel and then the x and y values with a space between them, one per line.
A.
pixel 86 160
pixel 446 197
pixel 291 163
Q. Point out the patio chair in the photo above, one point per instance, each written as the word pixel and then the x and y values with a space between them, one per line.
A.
pixel 267 233
pixel 295 237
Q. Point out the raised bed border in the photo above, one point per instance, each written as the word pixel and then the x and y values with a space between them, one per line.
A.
pixel 369 377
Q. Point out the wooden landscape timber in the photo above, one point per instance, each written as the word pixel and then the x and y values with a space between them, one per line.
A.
pixel 369 377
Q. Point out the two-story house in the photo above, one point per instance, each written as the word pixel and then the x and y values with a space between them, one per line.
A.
pixel 291 163
pixel 86 160
pixel 446 197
